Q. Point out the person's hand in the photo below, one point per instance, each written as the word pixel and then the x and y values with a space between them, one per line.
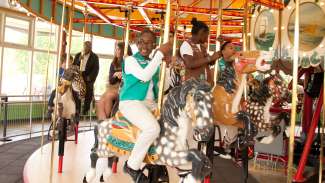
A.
pixel 166 49
pixel 118 75
pixel 220 39
pixel 216 55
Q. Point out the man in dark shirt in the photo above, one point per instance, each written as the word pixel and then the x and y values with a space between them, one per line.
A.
pixel 89 66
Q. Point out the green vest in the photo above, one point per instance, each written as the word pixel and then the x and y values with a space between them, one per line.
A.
pixel 222 64
pixel 135 89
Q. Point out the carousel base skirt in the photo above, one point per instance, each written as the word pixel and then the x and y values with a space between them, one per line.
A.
pixel 76 163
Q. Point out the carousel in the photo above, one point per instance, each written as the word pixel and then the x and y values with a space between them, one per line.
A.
pixel 247 112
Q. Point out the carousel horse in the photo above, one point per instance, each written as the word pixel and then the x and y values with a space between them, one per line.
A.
pixel 173 78
pixel 186 116
pixel 261 96
pixel 255 111
pixel 71 83
pixel 232 121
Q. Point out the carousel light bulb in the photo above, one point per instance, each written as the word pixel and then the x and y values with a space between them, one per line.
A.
pixel 249 34
pixel 321 3
pixel 271 10
pixel 304 54
pixel 275 28
pixel 241 40
pixel 321 46
pixel 289 7
pixel 253 16
pixel 271 48
pixel 282 27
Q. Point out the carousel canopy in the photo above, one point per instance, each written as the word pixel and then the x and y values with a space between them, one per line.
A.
pixel 107 18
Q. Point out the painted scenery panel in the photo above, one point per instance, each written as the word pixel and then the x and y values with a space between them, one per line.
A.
pixel 264 33
pixel 312 26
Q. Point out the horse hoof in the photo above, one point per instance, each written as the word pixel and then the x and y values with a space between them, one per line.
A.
pixel 85 180
pixel 105 175
pixel 90 176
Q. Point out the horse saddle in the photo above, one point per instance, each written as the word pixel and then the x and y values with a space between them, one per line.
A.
pixel 123 136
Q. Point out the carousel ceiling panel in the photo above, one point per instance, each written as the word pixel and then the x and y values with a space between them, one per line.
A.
pixel 206 3
pixel 109 15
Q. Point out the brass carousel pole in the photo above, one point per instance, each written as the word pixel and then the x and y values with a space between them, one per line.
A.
pixel 175 31
pixel 321 158
pixel 210 23
pixel 280 33
pixel 294 93
pixel 161 31
pixel 321 152
pixel 85 24
pixel 71 14
pixel 127 29
pixel 245 26
pixel 161 27
pixel 46 82
pixel 163 65
pixel 56 86
pixel 215 74
pixel 244 32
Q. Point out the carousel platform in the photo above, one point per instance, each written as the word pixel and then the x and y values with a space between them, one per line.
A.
pixel 77 162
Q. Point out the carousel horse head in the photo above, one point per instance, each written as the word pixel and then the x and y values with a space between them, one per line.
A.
pixel 173 74
pixel 273 85
pixel 194 99
pixel 72 77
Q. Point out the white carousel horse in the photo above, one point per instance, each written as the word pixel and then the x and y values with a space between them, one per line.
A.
pixel 187 109
pixel 70 83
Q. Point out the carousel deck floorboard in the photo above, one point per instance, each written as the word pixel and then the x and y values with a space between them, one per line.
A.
pixel 14 155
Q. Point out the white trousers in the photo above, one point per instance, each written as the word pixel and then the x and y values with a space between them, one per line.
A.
pixel 139 114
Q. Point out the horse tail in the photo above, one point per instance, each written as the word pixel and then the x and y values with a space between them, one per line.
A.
pixel 276 129
pixel 249 127
pixel 95 147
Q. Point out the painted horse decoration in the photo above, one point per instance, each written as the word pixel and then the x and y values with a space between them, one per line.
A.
pixel 71 87
pixel 262 95
pixel 235 123
pixel 186 113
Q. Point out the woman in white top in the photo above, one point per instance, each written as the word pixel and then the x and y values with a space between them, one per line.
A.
pixel 194 53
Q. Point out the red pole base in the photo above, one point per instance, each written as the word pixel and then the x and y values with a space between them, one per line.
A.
pixel 311 133
pixel 60 164
pixel 207 179
pixel 114 167
pixel 76 133
pixel 301 179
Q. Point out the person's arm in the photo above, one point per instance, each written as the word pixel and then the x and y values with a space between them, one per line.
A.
pixel 143 74
pixel 190 61
pixel 112 79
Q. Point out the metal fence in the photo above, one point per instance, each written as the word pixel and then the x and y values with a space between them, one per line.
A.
pixel 21 115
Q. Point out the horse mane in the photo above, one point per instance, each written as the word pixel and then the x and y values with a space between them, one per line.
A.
pixel 176 100
pixel 69 73
pixel 261 93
